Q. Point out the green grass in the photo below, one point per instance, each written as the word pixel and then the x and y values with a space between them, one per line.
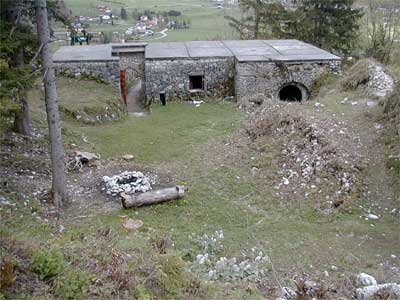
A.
pixel 167 134
pixel 207 22
pixel 76 94
pixel 187 142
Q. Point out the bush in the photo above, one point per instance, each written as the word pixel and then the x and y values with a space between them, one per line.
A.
pixel 356 76
pixel 324 80
pixel 392 106
pixel 142 294
pixel 6 273
pixel 173 276
pixel 47 264
pixel 71 286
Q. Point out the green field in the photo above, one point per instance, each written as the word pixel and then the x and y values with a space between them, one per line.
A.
pixel 207 22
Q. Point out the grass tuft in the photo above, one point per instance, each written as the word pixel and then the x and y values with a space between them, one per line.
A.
pixel 356 76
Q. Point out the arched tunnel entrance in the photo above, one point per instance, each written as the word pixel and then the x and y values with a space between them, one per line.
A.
pixel 293 92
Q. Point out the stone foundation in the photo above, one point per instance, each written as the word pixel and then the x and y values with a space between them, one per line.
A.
pixel 172 77
pixel 267 78
pixel 133 63
pixel 205 69
pixel 107 71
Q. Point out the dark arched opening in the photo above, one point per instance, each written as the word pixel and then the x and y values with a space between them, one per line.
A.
pixel 291 92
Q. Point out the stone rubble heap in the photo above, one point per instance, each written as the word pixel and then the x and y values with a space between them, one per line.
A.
pixel 310 162
pixel 369 289
pixel 127 182
pixel 380 84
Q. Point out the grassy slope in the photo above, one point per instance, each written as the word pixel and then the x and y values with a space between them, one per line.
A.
pixel 186 141
pixel 207 22
pixel 167 134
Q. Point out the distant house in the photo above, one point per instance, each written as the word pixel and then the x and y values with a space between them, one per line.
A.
pixel 153 22
pixel 101 7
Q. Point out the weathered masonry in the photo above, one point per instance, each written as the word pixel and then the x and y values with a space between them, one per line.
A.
pixel 283 69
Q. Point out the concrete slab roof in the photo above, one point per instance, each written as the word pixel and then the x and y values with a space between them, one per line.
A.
pixel 84 53
pixel 244 50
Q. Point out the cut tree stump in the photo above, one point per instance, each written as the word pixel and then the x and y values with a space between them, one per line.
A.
pixel 153 197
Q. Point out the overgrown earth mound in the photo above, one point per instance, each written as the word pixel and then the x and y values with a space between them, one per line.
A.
pixel 392 109
pixel 312 156
pixel 84 101
pixel 370 75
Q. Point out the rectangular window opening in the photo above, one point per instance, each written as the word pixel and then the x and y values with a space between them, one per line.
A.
pixel 196 82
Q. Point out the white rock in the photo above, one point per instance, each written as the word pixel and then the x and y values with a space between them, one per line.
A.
pixel 369 292
pixel 372 217
pixel 4 202
pixel 288 293
pixel 285 181
pixel 364 279
pixel 128 157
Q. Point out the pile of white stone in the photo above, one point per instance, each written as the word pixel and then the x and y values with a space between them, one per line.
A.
pixel 128 182
pixel 380 83
pixel 369 289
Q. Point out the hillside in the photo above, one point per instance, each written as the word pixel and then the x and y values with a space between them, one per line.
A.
pixel 243 187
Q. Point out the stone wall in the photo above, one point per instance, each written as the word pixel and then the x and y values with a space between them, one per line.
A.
pixel 172 77
pixel 107 71
pixel 267 78
pixel 133 63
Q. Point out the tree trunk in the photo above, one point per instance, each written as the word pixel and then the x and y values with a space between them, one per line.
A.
pixel 154 197
pixel 21 120
pixel 59 188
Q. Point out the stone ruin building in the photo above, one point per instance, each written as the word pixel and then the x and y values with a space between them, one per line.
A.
pixel 281 69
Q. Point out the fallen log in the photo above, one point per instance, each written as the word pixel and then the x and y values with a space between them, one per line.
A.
pixel 153 197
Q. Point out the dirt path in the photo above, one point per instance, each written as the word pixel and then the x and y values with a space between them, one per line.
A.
pixel 134 105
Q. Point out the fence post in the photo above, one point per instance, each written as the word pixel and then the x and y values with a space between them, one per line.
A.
pixel 122 77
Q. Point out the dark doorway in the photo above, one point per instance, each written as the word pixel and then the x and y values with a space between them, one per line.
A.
pixel 290 93
pixel 163 98
pixel 196 82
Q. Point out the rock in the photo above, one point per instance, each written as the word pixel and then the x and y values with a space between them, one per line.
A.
pixel 132 224
pixel 317 104
pixel 379 291
pixel 86 157
pixel 372 217
pixel 127 182
pixel 128 157
pixel 380 84
pixel 254 171
pixel 5 202
pixel 288 293
pixel 364 279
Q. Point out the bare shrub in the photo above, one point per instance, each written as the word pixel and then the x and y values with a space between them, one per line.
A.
pixel 383 29
pixel 356 76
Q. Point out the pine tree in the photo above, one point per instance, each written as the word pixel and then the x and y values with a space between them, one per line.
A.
pixel 124 14
pixel 263 20
pixel 17 45
pixel 18 48
pixel 330 24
